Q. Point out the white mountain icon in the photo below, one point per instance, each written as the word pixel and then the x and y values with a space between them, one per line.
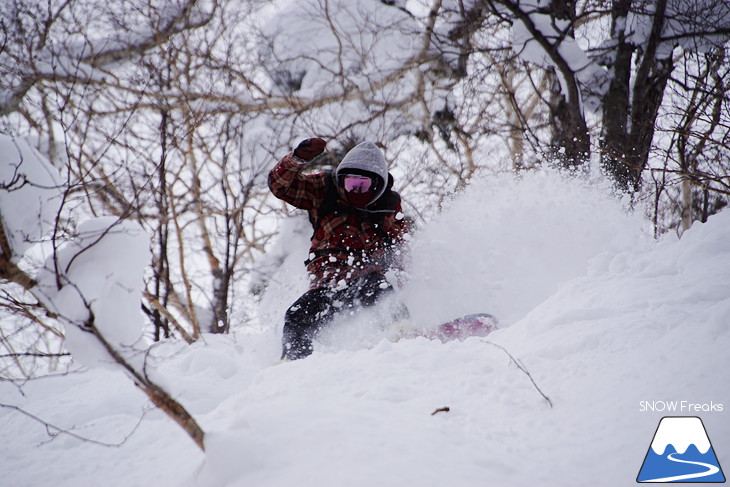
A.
pixel 681 452
pixel 681 432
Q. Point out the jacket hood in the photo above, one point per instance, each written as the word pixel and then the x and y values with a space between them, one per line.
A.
pixel 366 156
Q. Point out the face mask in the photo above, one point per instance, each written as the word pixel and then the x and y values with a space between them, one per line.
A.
pixel 359 200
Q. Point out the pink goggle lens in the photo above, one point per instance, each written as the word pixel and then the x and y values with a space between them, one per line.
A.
pixel 357 184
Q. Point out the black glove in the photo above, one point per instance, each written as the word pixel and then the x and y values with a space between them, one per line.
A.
pixel 310 148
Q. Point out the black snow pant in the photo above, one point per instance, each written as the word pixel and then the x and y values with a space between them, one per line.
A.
pixel 317 307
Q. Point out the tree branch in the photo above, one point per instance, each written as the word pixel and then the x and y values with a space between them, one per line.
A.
pixel 54 431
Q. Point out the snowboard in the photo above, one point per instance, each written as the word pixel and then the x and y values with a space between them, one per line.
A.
pixel 477 324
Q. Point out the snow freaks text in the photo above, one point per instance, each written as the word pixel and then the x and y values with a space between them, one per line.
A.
pixel 679 407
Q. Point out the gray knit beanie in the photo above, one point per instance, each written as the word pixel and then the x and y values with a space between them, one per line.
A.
pixel 366 156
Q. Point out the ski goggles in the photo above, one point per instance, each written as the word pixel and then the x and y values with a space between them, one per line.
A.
pixel 357 184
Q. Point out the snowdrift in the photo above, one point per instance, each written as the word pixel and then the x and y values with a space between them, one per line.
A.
pixel 601 317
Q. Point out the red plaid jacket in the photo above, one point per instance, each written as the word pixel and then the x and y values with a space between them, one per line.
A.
pixel 347 243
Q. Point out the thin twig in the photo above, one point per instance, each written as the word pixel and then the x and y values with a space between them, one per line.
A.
pixel 522 367
pixel 53 430
pixel 34 354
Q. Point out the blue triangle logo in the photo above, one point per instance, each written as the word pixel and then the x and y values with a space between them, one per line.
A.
pixel 681 452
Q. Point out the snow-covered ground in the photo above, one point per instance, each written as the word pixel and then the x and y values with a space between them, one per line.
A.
pixel 602 317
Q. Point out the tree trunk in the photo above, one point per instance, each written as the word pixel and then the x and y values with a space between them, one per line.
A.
pixel 629 118
pixel 687 203
pixel 222 280
pixel 571 142
pixel 614 145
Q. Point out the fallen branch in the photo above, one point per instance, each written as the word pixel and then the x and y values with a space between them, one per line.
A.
pixel 155 393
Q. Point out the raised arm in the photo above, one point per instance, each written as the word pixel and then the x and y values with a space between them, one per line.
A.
pixel 288 182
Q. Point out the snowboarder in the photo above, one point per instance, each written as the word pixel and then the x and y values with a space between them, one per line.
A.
pixel 358 234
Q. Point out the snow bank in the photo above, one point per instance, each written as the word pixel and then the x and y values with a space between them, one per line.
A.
pixel 102 271
pixel 643 324
pixel 106 264
pixel 29 194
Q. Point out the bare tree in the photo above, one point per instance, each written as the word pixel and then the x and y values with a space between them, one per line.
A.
pixel 65 293
pixel 696 124
pixel 607 91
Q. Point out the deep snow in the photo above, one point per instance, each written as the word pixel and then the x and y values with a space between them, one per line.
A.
pixel 601 316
